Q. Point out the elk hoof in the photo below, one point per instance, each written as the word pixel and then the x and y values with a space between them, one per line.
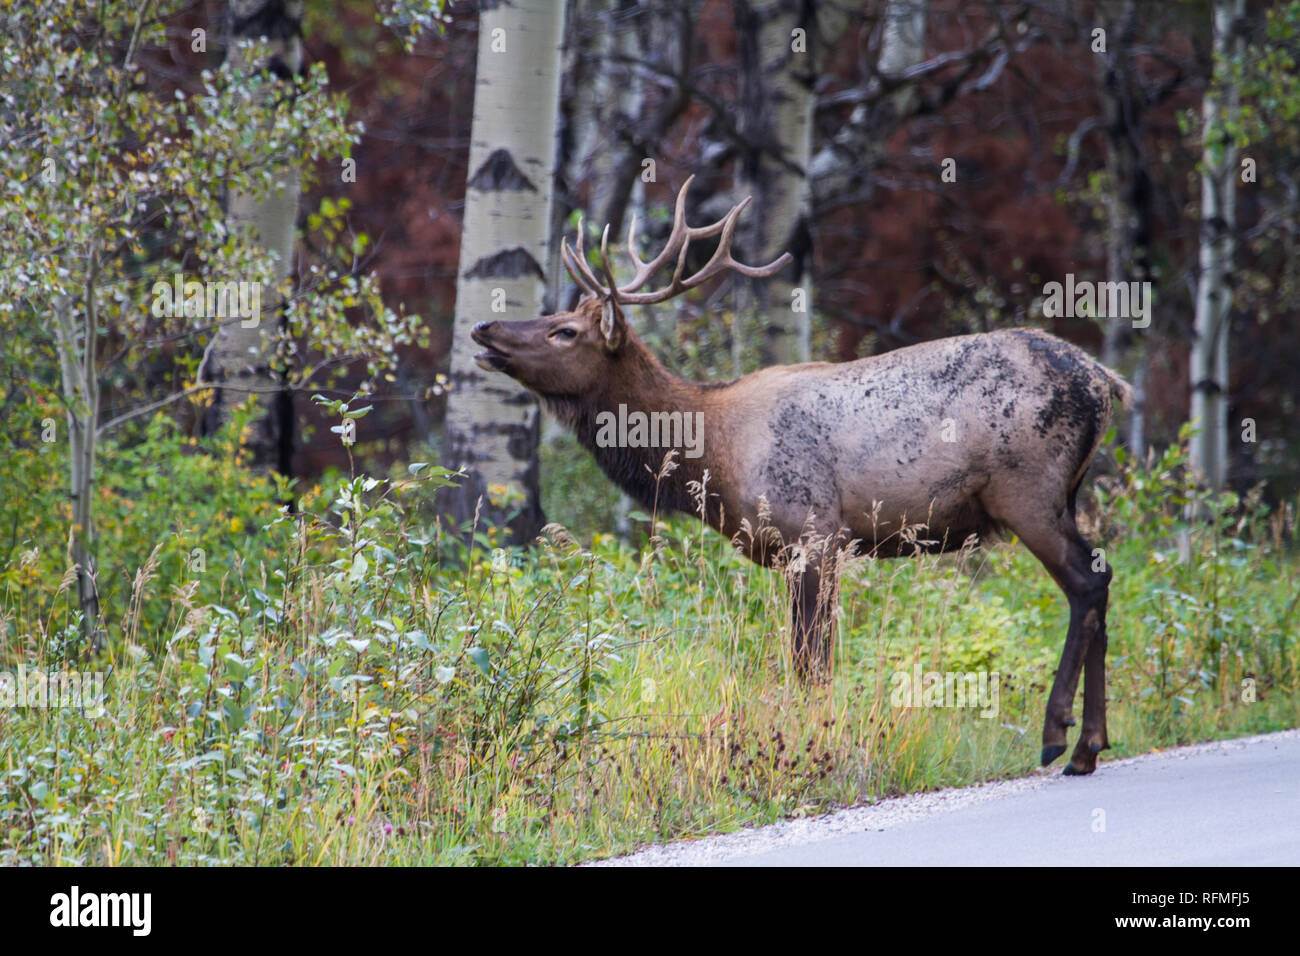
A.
pixel 1051 752
pixel 1072 771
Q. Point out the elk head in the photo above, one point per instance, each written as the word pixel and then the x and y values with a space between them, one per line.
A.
pixel 575 353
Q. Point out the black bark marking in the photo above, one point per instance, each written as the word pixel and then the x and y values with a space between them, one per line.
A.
pixel 506 264
pixel 499 172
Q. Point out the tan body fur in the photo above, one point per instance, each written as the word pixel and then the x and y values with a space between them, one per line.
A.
pixel 955 435
pixel 914 450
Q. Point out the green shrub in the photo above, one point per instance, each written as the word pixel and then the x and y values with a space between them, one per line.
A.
pixel 349 685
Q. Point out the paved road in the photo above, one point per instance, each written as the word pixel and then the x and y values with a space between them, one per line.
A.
pixel 1233 802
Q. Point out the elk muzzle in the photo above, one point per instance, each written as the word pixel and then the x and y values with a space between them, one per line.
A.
pixel 493 359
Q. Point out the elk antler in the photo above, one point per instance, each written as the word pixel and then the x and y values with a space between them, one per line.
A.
pixel 679 240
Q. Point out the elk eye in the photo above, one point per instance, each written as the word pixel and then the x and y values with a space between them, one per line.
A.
pixel 565 333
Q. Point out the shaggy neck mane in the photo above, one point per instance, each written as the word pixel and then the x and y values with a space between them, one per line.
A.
pixel 641 383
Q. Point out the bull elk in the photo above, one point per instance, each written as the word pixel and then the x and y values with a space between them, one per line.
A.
pixel 961 436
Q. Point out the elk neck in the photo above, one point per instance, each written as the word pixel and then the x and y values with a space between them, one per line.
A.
pixel 639 382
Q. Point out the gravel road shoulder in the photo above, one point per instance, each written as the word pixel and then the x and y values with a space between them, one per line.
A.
pixel 893 813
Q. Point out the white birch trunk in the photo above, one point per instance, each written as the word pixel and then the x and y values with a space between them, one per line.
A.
pixel 1209 354
pixel 492 422
pixel 1128 256
pixel 241 356
pixel 79 375
pixel 779 100
pixel 902 45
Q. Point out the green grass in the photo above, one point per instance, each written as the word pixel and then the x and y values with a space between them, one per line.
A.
pixel 350 688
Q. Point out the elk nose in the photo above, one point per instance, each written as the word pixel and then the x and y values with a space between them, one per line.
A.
pixel 480 330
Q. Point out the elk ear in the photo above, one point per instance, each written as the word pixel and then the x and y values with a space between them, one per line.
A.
pixel 612 324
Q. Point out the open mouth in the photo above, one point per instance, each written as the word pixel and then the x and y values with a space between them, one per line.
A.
pixel 492 359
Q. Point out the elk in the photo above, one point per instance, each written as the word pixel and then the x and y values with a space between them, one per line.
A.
pixel 912 451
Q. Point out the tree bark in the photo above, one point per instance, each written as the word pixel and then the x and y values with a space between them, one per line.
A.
pixel 242 356
pixel 80 384
pixel 492 423
pixel 862 140
pixel 777 74
pixel 1128 203
pixel 1209 355
pixel 606 132
pixel 781 45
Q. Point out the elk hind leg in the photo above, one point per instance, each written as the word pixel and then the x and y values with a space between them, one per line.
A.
pixel 1056 542
pixel 1093 738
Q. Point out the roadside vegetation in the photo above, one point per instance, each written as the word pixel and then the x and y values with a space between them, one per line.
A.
pixel 349 685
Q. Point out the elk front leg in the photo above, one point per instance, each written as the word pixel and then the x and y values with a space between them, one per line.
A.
pixel 810 633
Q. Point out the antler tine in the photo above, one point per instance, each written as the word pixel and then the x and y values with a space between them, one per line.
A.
pixel 637 263
pixel 580 261
pixel 761 272
pixel 567 257
pixel 642 269
pixel 719 262
pixel 721 255
pixel 676 248
pixel 752 272
pixel 569 260
pixel 604 259
pixel 678 238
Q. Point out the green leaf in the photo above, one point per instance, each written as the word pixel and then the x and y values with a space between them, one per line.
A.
pixel 235 717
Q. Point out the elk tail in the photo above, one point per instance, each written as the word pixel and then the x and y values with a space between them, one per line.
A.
pixel 1118 387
